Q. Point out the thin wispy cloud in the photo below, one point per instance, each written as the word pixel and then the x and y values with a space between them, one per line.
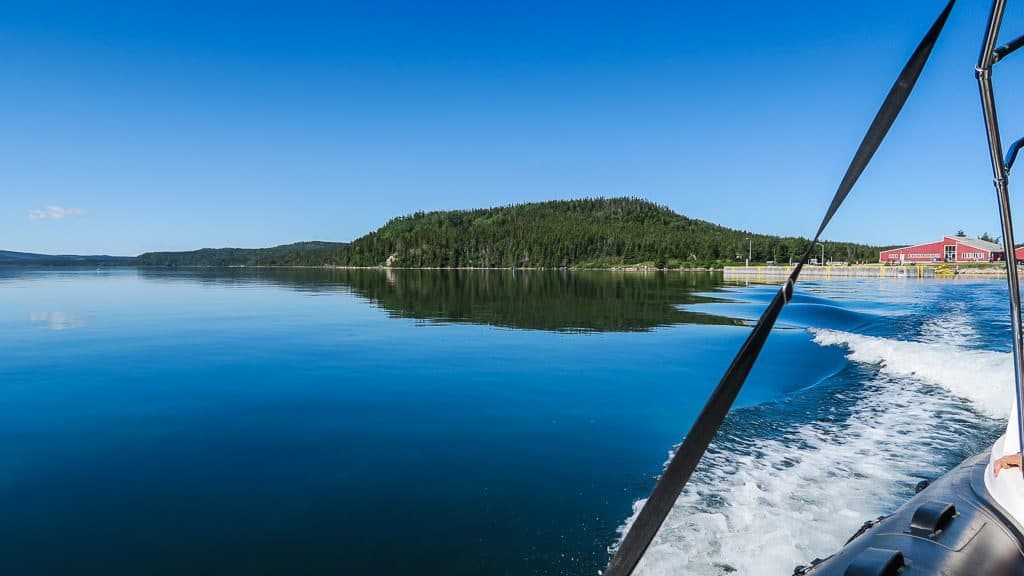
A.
pixel 55 213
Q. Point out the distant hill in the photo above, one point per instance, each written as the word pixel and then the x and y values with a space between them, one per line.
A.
pixel 589 233
pixel 27 258
pixel 297 254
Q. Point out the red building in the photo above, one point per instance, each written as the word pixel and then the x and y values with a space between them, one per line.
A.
pixel 949 249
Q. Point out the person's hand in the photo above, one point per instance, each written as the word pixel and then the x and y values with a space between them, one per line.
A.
pixel 1011 461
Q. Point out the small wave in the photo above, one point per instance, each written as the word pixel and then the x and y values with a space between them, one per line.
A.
pixel 802 312
pixel 824 315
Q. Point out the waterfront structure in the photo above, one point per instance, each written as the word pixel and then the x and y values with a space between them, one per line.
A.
pixel 949 249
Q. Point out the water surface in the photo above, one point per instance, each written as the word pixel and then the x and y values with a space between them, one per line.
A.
pixel 302 421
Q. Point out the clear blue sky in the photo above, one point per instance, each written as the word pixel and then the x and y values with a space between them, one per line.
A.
pixel 173 126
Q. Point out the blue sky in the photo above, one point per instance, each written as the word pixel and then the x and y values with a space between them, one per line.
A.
pixel 175 126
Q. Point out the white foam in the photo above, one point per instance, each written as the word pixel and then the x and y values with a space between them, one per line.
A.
pixel 765 505
pixel 982 376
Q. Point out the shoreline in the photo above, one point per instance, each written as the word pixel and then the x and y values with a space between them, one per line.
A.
pixel 868 271
pixel 862 270
pixel 739 272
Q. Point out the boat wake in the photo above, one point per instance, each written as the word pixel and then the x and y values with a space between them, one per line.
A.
pixel 790 481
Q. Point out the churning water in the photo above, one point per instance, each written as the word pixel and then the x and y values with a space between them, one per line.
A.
pixel 927 384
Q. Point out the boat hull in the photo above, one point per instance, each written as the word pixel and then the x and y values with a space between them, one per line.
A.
pixel 951 527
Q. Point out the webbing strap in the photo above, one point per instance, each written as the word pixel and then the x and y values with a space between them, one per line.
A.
pixel 682 464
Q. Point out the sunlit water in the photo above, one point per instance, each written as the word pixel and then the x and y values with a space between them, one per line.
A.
pixel 395 422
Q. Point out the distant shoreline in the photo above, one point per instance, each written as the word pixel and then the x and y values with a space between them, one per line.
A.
pixel 523 268
pixel 730 272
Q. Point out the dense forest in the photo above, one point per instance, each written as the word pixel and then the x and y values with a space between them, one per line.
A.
pixel 8 258
pixel 297 254
pixel 588 233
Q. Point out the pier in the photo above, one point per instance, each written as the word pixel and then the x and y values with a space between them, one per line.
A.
pixel 861 271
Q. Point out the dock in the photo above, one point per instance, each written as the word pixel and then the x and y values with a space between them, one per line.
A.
pixel 769 273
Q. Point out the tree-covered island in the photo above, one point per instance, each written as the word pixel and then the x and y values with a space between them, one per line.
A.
pixel 587 233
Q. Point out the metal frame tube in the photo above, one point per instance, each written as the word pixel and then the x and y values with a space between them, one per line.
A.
pixel 1008 48
pixel 1001 181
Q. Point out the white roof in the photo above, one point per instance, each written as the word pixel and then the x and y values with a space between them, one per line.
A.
pixel 979 244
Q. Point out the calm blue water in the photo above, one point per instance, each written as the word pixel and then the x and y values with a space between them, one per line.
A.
pixel 371 422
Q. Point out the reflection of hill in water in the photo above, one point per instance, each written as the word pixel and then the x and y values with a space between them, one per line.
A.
pixel 536 300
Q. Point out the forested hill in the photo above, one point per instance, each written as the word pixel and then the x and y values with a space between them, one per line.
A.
pixel 8 258
pixel 297 254
pixel 590 233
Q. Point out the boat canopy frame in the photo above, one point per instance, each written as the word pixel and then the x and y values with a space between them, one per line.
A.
pixel 1001 165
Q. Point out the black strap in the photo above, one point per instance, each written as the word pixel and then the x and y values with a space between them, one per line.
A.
pixel 686 458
